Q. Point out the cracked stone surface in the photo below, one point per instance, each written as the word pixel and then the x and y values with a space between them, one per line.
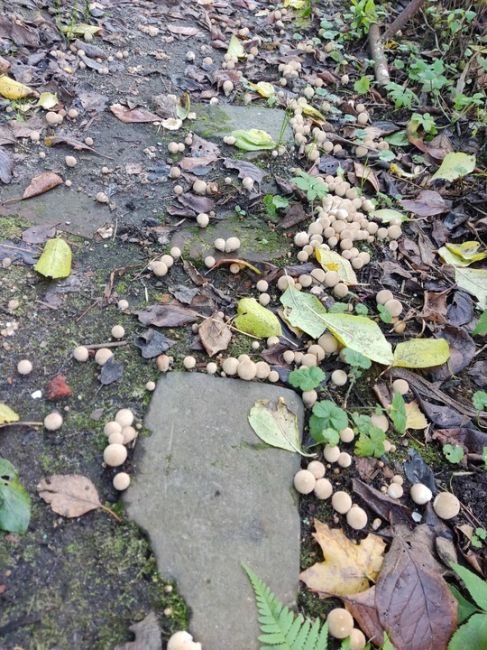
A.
pixel 212 497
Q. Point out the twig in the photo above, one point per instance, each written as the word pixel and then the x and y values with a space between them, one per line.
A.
pixel 376 48
pixel 408 12
pixel 110 344
pixel 21 424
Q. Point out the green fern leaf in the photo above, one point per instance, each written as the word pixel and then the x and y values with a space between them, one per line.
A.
pixel 280 628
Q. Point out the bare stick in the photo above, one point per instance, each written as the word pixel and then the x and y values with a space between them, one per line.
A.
pixel 21 424
pixel 377 53
pixel 110 344
pixel 408 12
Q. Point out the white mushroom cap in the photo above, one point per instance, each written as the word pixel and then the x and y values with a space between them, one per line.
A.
pixel 341 502
pixel 81 353
pixel 331 453
pixel 273 376
pixel 400 386
pixel 121 481
pixel 395 491
pixel 211 368
pixel 344 459
pixel 124 417
pixel 123 304
pixel 102 355
pixel 189 362
pixel 383 296
pixel 247 370
pixel 262 369
pixel 112 427
pixel 446 505
pixel 339 377
pixel 323 489
pixel 347 435
pixel 115 438
pixel 118 332
pixel 357 640
pixel 304 481
pixel 24 367
pixel 230 366
pixel 420 494
pixel 115 455
pixel 317 468
pixel 309 397
pixel 380 421
pixel 182 641
pixel 357 518
pixel 129 434
pixel 53 421
pixel 340 623
pixel 150 385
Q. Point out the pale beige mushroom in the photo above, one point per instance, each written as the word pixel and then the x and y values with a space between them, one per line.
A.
pixel 340 623
pixel 304 481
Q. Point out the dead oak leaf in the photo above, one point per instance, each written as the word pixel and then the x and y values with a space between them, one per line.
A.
pixel 69 495
pixel 348 568
pixel 215 334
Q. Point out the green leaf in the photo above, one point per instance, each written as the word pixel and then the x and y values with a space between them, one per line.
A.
pixel 474 282
pixel 235 47
pixel 384 314
pixel 355 359
pixel 467 251
pixel 481 328
pixel 398 139
pixel 256 320
pixel 320 433
pixel 263 88
pixel 276 425
pixel 479 400
pixel 465 607
pixel 472 634
pixel 274 203
pixel 304 311
pixel 455 164
pixel 362 85
pixel 333 416
pixel 476 587
pixel 7 415
pixel 361 310
pixel 453 453
pixel 314 187
pixel 14 500
pixel 398 414
pixel 306 378
pixel 253 140
pixel 421 353
pixel 387 214
pixel 47 100
pixel 371 440
pixel 387 645
pixel 280 627
pixel 333 261
pixel 55 261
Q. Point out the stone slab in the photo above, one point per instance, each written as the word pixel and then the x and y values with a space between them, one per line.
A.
pixel 212 497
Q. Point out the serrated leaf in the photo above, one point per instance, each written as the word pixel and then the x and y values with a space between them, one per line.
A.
pixel 455 164
pixel 387 214
pixel 472 634
pixel 476 587
pixel 397 413
pixel 453 453
pixel 355 359
pixel 256 320
pixel 421 353
pixel 14 500
pixel 55 261
pixel 332 261
pixel 306 378
pixel 253 140
pixel 235 47
pixel 47 100
pixel 7 415
pixel 276 425
pixel 479 400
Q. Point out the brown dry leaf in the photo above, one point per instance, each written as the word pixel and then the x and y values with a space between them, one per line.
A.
pixel 52 141
pixel 133 115
pixel 422 613
pixel 69 495
pixel 435 307
pixel 389 509
pixel 362 608
pixel 147 635
pixel 366 174
pixel 42 183
pixel 215 335
pixel 426 204
pixel 415 418
pixel 171 315
pixel 182 30
pixel 348 568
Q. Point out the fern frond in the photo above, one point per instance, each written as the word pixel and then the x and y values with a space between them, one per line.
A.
pixel 280 628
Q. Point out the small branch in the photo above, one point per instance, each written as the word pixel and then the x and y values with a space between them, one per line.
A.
pixel 377 53
pixel 21 424
pixel 408 12
pixel 110 344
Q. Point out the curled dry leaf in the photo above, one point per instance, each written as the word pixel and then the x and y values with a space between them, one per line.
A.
pixel 365 173
pixel 426 204
pixel 348 568
pixel 362 607
pixel 215 335
pixel 172 315
pixel 391 510
pixel 133 115
pixel 41 184
pixel 69 495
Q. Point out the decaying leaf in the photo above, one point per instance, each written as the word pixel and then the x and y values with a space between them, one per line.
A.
pixel 171 315
pixel 426 204
pixel 415 418
pixel 14 90
pixel 421 353
pixel 147 635
pixel 69 495
pixel 455 164
pixel 55 261
pixel 362 607
pixel 7 414
pixel 215 334
pixel 387 214
pixel 41 184
pixel 333 261
pixel 422 613
pixel 235 47
pixel 276 425
pixel 467 251
pixel 474 282
pixel 348 568
pixel 133 115
pixel 365 173
pixel 47 100
pixel 253 140
pixel 256 320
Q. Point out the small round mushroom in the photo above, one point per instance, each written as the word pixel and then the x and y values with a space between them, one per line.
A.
pixel 357 640
pixel 81 353
pixel 219 244
pixel 129 434
pixel 175 252
pixel 200 187
pixel 383 296
pixel 202 220
pixel 163 362
pixel 115 455
pixel 101 197
pixel 24 367
pixel 248 183
pixel 182 641
pixel 446 505
pixel 112 427
pixel 53 421
pixel 211 368
pixel 397 478
pixel 331 453
pixel 158 268
pixel 317 468
pixel 263 370
pixel 121 481
pixel 309 397
pixel 304 481
pixel 344 459
pixel 230 366
pixel 357 518
pixel 395 491
pixel 150 386
pixel 400 386
pixel 247 370
pixel 210 261
pixel 341 502
pixel 420 494
pixel 273 376
pixel 339 377
pixel 262 286
pixel 115 438
pixel 380 421
pixel 102 355
pixel 123 304
pixel 118 332
pixel 347 435
pixel 70 161
pixel 340 623
pixel 189 362
pixel 124 417
pixel 232 244
pixel 394 307
pixel 323 489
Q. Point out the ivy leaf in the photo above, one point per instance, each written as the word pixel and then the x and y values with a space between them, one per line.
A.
pixel 453 453
pixel 398 414
pixel 306 378
pixel 320 433
pixel 479 400
pixel 14 500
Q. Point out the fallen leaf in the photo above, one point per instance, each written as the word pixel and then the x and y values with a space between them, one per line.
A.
pixel 304 311
pixel 7 415
pixel 256 320
pixel 422 613
pixel 133 115
pixel 14 500
pixel 421 353
pixel 152 343
pixel 172 123
pixel 362 607
pixel 47 100
pixel 276 425
pixel 13 90
pixel 38 234
pixel 182 30
pixel 235 47
pixel 427 204
pixel 57 388
pixel 468 251
pixel 418 471
pixel 348 568
pixel 171 315
pixel 263 88
pixel 365 173
pixel 147 635
pixel 41 184
pixel 455 165
pixel 62 138
pixel 474 282
pixel 415 418
pixel 332 261
pixel 81 29
pixel 215 334
pixel 473 440
pixel 245 168
pixel 253 140
pixel 462 351
pixel 388 509
pixel 111 371
pixel 69 495
pixel 387 214
pixel 435 307
pixel 55 261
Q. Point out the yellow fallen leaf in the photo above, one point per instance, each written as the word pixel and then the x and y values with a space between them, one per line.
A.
pixel 311 111
pixel 264 88
pixel 11 89
pixel 468 251
pixel 332 261
pixel 421 353
pixel 47 100
pixel 7 415
pixel 348 568
pixel 415 418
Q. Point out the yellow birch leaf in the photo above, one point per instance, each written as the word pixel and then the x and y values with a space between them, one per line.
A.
pixel 468 251
pixel 415 418
pixel 421 353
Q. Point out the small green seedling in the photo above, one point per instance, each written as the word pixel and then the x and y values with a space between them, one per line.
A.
pixel 306 378
pixel 478 538
pixel 453 453
pixel 479 400
pixel 326 422
pixel 371 438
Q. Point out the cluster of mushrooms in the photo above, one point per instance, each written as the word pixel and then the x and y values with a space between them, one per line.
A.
pixel 120 432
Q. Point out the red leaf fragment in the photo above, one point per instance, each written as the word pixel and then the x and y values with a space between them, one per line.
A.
pixel 57 388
